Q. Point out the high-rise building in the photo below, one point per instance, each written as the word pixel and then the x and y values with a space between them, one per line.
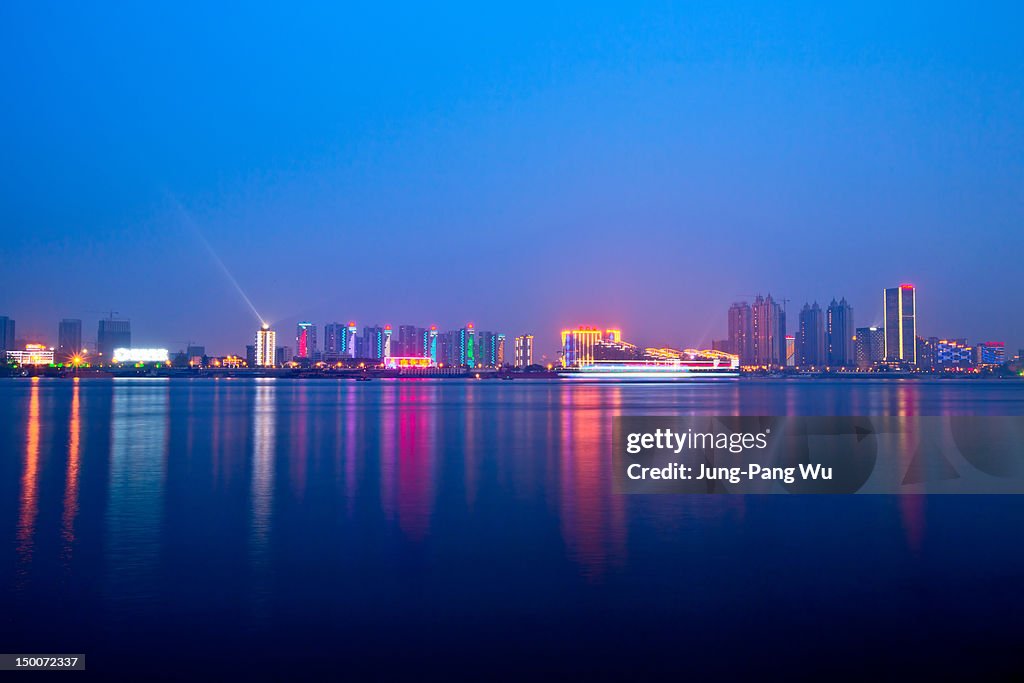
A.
pixel 69 339
pixel 790 350
pixel 387 342
pixel 283 355
pixel 467 346
pixel 839 334
pixel 334 341
pixel 768 332
pixel 349 342
pixel 900 311
pixel 372 346
pixel 810 347
pixel 869 347
pixel 410 342
pixel 740 340
pixel 266 348
pixel 524 350
pixel 7 342
pixel 113 334
pixel 430 344
pixel 305 340
pixel 499 351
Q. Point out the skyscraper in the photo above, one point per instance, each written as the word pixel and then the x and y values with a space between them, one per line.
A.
pixel 7 342
pixel 387 342
pixel 899 305
pixel 430 344
pixel 348 348
pixel 839 334
pixel 113 334
pixel 810 345
pixel 740 341
pixel 69 339
pixel 790 350
pixel 373 343
pixel 467 346
pixel 266 347
pixel 524 350
pixel 305 340
pixel 870 346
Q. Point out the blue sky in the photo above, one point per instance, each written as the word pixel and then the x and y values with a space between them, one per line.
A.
pixel 521 166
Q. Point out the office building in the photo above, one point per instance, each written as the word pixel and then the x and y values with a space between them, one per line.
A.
pixel 990 353
pixel 265 353
pixel 810 346
pixel 839 334
pixel 305 341
pixel 869 347
pixel 524 351
pixel 112 334
pixel 69 338
pixel 899 305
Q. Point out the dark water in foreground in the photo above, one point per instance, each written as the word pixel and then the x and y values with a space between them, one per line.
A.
pixel 421 529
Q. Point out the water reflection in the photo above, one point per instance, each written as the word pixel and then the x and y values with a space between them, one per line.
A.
pixel 138 450
pixel 417 447
pixel 29 507
pixel 72 475
pixel 264 442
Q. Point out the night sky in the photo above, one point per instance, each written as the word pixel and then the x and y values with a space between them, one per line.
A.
pixel 522 167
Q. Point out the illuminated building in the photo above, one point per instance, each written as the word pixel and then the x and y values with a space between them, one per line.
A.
pixel 810 346
pixel 195 354
pixel 467 350
pixel 578 346
pixel 334 340
pixel 34 354
pixel 387 342
pixel 69 338
pixel 398 362
pixel 953 353
pixel 113 334
pixel 790 350
pixel 869 347
pixel 499 351
pixel 740 341
pixel 7 342
pixel 266 348
pixel 373 343
pixel 349 346
pixel 305 340
pixel 523 351
pixel 990 353
pixel 412 342
pixel 899 305
pixel 430 344
pixel 123 355
pixel 768 332
pixel 839 334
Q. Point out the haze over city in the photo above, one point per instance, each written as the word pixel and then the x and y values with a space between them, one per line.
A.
pixel 527 170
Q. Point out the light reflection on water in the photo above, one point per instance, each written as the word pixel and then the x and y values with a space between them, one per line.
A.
pixel 396 502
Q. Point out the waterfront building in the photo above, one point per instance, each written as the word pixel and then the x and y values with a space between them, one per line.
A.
pixel 69 339
pixel 810 347
pixel 869 348
pixel 7 342
pixel 578 346
pixel 790 350
pixel 372 346
pixel 430 344
pixel 467 346
pixel 839 334
pixel 768 332
pixel 33 354
pixel 282 355
pixel 265 353
pixel 305 341
pixel 899 305
pixel 990 353
pixel 112 334
pixel 523 351
pixel 953 353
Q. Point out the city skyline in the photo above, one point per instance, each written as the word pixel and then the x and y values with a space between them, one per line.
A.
pixel 668 159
